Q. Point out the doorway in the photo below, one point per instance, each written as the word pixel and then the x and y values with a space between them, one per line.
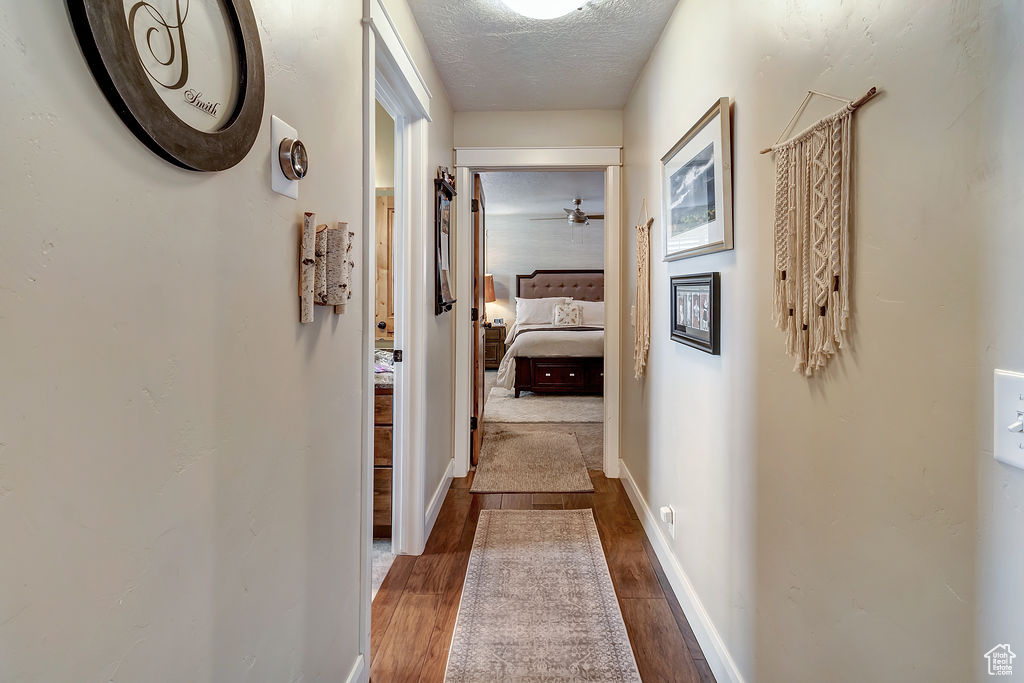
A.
pixel 539 263
pixel 603 160
pixel 383 361
pixel 391 80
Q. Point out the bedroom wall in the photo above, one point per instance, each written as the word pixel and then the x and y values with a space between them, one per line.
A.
pixel 827 525
pixel 516 245
pixel 179 458
pixel 581 128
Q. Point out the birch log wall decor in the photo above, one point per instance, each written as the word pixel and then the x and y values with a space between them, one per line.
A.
pixel 307 267
pixel 320 285
pixel 325 266
pixel 812 235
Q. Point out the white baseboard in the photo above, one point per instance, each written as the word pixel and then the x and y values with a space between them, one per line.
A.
pixel 715 651
pixel 360 673
pixel 438 499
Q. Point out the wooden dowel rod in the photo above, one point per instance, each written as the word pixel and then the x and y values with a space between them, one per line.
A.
pixel 860 101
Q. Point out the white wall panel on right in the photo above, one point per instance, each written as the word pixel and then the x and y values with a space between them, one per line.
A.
pixel 828 525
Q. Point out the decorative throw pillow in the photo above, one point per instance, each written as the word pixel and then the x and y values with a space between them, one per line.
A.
pixel 568 315
pixel 537 311
pixel 593 312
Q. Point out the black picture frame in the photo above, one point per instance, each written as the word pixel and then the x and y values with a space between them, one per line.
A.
pixel 444 193
pixel 695 317
pixel 108 47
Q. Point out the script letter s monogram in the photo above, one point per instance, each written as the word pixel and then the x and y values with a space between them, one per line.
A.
pixel 174 34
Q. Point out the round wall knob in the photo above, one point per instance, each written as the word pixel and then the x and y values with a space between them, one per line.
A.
pixel 294 161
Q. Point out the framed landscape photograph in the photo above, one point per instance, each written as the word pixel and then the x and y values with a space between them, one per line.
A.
pixel 696 311
pixel 697 188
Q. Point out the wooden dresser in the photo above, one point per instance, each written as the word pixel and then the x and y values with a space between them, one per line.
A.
pixel 494 346
pixel 382 431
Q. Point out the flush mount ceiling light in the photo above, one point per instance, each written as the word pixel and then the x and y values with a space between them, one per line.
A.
pixel 544 9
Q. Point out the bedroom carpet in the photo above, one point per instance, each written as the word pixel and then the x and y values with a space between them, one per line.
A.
pixel 538 603
pixel 503 406
pixel 531 462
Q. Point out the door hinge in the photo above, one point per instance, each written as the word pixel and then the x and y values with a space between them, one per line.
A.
pixel 475 205
pixel 472 424
pixel 398 355
pixel 474 314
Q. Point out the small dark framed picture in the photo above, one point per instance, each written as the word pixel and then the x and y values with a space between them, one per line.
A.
pixel 696 311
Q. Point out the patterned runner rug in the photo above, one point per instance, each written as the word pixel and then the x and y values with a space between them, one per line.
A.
pixel 538 603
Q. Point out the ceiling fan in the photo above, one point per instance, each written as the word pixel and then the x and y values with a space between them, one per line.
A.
pixel 575 215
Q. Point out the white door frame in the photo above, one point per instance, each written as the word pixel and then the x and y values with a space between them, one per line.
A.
pixel 470 160
pixel 391 77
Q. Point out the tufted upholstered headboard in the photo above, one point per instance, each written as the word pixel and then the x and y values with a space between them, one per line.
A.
pixel 585 285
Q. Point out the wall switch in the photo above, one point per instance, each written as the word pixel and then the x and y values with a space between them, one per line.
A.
pixel 668 517
pixel 1008 427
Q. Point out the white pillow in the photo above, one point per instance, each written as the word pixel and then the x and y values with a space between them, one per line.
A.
pixel 537 311
pixel 568 314
pixel 593 312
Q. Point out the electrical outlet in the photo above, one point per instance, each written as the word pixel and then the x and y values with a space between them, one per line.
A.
pixel 668 518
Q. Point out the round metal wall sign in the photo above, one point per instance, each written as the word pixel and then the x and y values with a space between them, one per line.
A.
pixel 186 76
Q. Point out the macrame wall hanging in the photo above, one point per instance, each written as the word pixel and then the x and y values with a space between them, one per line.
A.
pixel 642 327
pixel 812 234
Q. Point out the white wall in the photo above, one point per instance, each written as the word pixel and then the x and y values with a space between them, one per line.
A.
pixel 516 245
pixel 179 458
pixel 577 128
pixel 384 146
pixel 828 525
pixel 1001 328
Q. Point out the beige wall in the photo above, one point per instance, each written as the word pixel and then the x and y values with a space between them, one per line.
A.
pixel 582 128
pixel 828 525
pixel 179 458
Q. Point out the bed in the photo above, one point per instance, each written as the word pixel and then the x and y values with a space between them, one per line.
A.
pixel 545 359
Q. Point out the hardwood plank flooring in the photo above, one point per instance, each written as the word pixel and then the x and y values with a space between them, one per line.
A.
pixel 413 616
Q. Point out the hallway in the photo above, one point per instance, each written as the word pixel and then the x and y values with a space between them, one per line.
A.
pixel 414 613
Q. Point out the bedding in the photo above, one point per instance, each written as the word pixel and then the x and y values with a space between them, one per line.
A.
pixel 546 340
pixel 593 312
pixel 538 311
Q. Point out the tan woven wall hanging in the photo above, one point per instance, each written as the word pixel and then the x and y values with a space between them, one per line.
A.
pixel 642 310
pixel 812 235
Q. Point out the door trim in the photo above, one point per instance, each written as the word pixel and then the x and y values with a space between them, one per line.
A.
pixel 470 160
pixel 391 77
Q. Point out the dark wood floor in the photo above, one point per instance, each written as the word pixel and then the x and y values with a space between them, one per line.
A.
pixel 413 616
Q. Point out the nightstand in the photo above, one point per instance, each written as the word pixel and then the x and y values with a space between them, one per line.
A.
pixel 494 346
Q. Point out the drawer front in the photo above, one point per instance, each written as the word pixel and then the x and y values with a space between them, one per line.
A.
pixel 491 353
pixel 382 409
pixel 382 446
pixel 557 374
pixel 382 496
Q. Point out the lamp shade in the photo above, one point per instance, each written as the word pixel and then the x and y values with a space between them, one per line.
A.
pixel 489 289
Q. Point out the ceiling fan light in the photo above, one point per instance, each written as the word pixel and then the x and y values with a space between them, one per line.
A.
pixel 544 9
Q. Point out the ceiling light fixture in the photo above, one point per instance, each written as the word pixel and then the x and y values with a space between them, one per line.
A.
pixel 544 9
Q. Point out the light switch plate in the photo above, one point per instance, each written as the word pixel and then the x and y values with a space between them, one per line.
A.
pixel 279 130
pixel 1008 446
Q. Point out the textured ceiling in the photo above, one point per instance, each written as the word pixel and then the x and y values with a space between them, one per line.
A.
pixel 541 193
pixel 491 58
